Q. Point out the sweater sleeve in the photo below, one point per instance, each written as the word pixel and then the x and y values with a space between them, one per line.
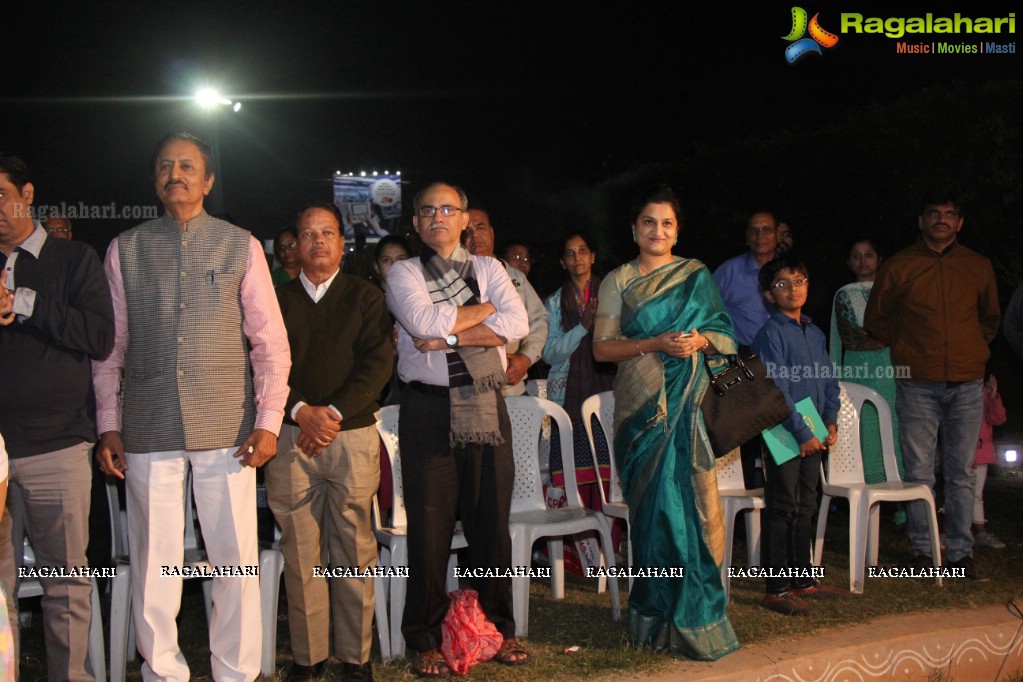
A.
pixel 84 320
pixel 373 353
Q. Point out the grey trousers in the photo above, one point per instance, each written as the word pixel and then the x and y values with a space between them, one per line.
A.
pixel 48 498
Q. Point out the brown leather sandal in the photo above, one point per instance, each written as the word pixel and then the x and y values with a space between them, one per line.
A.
pixel 430 664
pixel 512 653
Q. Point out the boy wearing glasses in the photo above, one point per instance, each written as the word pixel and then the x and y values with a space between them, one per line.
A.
pixel 791 341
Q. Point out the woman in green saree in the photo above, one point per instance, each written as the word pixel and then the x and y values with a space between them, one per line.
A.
pixel 864 360
pixel 658 315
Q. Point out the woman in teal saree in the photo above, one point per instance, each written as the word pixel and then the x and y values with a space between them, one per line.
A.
pixel 658 316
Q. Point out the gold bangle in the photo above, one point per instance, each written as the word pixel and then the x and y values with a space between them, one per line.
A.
pixel 641 353
pixel 706 344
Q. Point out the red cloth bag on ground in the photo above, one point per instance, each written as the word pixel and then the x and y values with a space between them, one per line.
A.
pixel 468 637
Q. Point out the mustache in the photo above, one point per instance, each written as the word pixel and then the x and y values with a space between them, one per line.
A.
pixel 175 182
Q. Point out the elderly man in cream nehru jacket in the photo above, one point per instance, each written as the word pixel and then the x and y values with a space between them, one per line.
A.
pixel 201 358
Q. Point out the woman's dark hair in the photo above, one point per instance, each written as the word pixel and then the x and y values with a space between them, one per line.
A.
pixel 865 240
pixel 571 233
pixel 770 269
pixel 389 240
pixel 662 194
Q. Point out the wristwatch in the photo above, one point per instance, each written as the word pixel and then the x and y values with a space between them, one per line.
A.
pixel 452 340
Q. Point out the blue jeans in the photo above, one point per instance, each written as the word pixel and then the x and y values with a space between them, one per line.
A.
pixel 958 410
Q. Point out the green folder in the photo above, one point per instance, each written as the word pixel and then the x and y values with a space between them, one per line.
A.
pixel 782 444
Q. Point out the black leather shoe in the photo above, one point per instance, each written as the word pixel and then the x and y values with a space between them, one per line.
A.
pixel 355 672
pixel 305 673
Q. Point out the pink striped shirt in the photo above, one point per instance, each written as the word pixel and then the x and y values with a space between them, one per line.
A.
pixel 261 321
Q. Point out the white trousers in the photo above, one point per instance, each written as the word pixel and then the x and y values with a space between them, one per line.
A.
pixel 225 498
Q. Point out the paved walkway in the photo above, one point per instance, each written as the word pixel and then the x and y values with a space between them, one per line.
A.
pixel 959 644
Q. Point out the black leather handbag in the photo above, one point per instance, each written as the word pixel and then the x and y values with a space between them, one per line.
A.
pixel 740 402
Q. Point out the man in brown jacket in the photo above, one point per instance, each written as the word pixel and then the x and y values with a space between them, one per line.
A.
pixel 936 304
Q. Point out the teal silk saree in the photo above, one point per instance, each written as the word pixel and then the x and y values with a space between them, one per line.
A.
pixel 664 459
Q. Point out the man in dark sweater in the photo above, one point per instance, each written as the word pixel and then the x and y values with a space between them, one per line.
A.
pixel 321 483
pixel 55 315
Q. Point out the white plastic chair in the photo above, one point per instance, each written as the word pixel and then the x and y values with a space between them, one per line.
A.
pixel 271 567
pixel 537 388
pixel 531 519
pixel 121 627
pixel 31 587
pixel 602 406
pixel 844 478
pixel 736 498
pixel 394 547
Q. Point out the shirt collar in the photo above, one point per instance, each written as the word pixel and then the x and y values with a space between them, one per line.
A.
pixel 316 291
pixel 779 316
pixel 34 242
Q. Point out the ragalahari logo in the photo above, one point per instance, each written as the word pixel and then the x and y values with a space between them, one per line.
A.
pixel 802 46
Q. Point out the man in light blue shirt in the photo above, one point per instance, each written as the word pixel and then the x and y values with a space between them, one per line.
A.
pixel 737 278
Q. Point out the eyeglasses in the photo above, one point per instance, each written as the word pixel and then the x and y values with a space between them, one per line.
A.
pixel 431 211
pixel 58 230
pixel 787 284
pixel 519 258
pixel 293 246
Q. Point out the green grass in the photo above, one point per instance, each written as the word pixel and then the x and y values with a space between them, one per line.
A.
pixel 584 617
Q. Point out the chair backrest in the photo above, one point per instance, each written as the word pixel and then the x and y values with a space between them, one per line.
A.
pixel 729 471
pixel 601 406
pixel 844 460
pixel 118 520
pixel 857 394
pixel 527 414
pixel 537 388
pixel 193 536
pixel 387 427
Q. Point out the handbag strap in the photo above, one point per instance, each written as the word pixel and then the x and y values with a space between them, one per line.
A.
pixel 731 360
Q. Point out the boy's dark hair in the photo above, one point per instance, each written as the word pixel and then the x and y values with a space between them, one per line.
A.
pixel 770 269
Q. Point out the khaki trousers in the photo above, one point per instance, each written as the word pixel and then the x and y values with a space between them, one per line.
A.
pixel 323 505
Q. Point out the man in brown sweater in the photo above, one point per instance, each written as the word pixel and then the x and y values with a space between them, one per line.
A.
pixel 936 304
pixel 321 484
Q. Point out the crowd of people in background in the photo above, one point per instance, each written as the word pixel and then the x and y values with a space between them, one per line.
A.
pixel 191 356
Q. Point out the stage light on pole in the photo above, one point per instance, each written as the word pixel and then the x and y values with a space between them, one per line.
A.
pixel 207 98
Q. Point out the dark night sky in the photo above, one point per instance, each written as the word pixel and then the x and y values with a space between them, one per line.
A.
pixel 490 95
